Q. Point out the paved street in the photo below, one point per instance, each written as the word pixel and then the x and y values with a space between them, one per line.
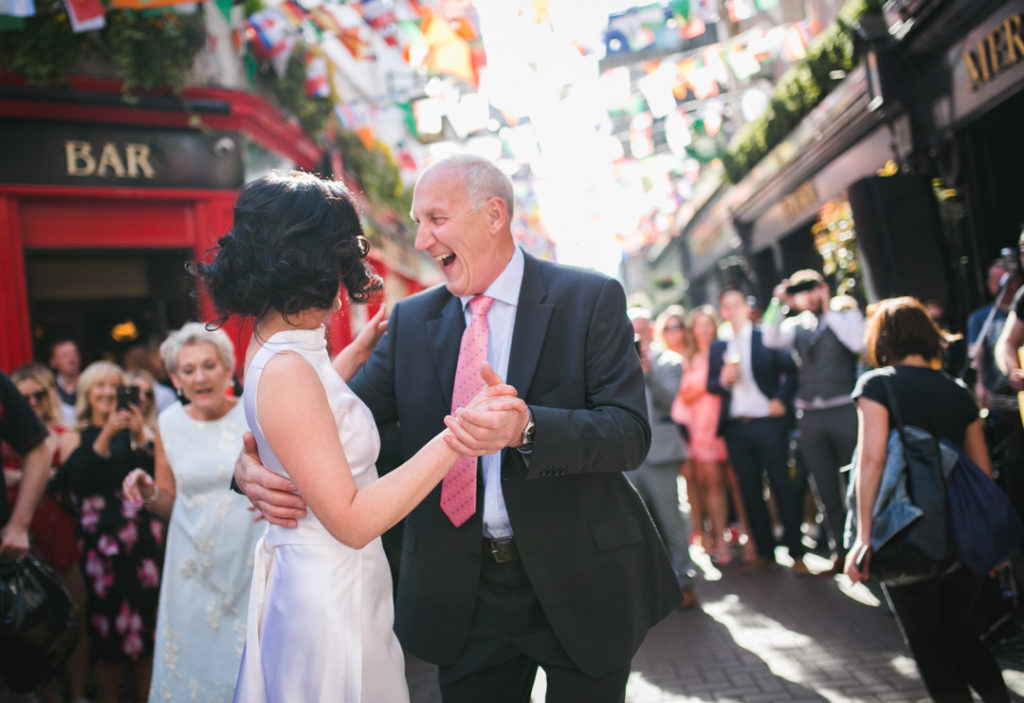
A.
pixel 769 637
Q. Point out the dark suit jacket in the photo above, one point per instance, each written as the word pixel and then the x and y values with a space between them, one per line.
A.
pixel 774 372
pixel 586 541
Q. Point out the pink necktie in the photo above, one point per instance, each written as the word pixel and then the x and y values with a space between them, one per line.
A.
pixel 458 489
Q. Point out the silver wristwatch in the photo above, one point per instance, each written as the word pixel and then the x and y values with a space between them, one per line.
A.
pixel 526 439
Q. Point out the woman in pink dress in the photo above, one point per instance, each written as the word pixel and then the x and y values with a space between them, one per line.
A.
pixel 698 411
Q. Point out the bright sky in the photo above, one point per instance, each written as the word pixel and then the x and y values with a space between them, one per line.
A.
pixel 534 70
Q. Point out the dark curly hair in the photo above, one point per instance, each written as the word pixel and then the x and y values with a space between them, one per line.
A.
pixel 295 238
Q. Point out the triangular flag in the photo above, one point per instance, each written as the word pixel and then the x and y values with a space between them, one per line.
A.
pixel 379 15
pixel 793 45
pixel 85 15
pixel 292 12
pixel 317 85
pixel 447 52
pixel 740 10
pixel 18 8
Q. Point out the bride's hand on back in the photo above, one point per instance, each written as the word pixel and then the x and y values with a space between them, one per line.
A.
pixel 493 420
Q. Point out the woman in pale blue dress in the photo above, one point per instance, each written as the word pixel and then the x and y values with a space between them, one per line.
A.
pixel 204 595
pixel 320 612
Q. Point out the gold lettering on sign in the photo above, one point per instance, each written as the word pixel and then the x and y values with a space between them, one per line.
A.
pixel 802 198
pixel 110 158
pixel 1014 41
pixel 998 50
pixel 137 156
pixel 80 160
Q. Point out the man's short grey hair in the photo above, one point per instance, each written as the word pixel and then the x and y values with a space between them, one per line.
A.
pixel 482 178
pixel 196 333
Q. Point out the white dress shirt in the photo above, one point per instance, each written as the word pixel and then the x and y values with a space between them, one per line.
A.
pixel 501 320
pixel 848 326
pixel 747 399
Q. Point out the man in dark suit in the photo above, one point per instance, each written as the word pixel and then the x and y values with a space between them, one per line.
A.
pixel 757 385
pixel 559 566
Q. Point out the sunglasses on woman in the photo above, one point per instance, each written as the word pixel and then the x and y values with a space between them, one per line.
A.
pixel 38 396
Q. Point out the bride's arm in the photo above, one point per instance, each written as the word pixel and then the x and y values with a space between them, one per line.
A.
pixel 300 427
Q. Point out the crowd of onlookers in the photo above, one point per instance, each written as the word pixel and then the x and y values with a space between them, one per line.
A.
pixel 756 409
pixel 764 409
pixel 770 405
pixel 137 518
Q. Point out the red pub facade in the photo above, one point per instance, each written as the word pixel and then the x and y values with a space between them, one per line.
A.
pixel 102 203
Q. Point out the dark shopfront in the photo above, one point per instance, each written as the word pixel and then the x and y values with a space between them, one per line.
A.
pixel 977 119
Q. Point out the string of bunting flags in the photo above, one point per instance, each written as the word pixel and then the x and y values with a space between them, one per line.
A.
pixel 425 38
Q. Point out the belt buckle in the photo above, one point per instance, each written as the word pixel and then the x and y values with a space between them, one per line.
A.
pixel 503 550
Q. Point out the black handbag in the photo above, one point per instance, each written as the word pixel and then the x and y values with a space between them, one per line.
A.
pixel 38 623
pixel 921 550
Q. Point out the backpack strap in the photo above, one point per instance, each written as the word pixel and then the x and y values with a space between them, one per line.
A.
pixel 894 407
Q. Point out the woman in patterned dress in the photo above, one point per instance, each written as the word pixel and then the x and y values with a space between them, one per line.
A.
pixel 211 536
pixel 119 541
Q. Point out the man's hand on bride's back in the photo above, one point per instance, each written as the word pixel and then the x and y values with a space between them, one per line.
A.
pixel 493 420
pixel 275 496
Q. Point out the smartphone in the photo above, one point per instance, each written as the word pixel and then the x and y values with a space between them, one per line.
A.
pixel 126 396
pixel 859 560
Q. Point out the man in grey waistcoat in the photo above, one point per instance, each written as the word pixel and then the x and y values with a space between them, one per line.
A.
pixel 827 339
pixel 655 480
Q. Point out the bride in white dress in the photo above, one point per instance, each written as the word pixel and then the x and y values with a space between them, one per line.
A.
pixel 320 611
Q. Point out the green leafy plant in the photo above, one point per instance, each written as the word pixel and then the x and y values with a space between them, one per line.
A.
pixel 152 50
pixel 146 50
pixel 290 91
pixel 43 52
pixel 829 57
pixel 375 170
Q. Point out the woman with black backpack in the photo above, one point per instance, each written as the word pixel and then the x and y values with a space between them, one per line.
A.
pixel 906 346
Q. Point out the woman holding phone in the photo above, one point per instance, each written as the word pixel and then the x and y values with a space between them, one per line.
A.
pixel 121 542
pixel 211 535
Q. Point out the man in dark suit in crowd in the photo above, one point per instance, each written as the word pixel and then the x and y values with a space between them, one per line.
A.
pixel 559 565
pixel 757 385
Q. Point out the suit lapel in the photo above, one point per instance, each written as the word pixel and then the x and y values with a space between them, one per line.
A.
pixel 532 318
pixel 444 335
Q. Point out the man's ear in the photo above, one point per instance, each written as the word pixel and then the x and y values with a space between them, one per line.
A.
pixel 497 215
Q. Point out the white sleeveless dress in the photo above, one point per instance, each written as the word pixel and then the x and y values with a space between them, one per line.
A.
pixel 321 617
pixel 204 592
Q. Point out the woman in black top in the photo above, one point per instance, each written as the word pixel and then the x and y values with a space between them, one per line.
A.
pixel 121 542
pixel 907 347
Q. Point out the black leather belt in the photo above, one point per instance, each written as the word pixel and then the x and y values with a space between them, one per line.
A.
pixel 502 550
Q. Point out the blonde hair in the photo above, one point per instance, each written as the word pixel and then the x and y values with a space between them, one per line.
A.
pixel 89 378
pixel 41 374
